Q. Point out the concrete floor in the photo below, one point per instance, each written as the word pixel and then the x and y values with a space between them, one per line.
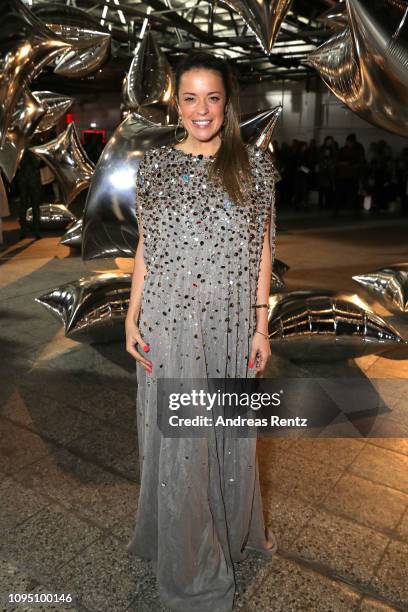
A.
pixel 69 461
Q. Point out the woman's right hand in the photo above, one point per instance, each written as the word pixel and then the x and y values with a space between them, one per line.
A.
pixel 133 337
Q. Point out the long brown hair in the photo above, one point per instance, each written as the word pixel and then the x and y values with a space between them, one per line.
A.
pixel 231 165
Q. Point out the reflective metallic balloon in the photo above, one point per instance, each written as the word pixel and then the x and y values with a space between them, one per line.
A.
pixel 280 267
pixel 65 15
pixel 26 46
pixel 68 161
pixel 263 17
pixel 258 128
pixel 277 284
pixel 56 106
pixel 90 41
pixel 52 216
pixel 73 236
pixel 26 118
pixel 149 80
pixel 78 63
pixel 110 225
pixel 365 66
pixel 388 285
pixel 92 308
pixel 335 17
pixel 327 326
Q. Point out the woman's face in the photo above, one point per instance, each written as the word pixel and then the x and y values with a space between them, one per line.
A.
pixel 201 102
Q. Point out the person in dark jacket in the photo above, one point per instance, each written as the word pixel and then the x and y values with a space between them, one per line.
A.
pixel 28 180
pixel 350 167
pixel 326 173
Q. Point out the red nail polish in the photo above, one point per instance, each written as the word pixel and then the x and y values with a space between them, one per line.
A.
pixel 146 348
pixel 251 363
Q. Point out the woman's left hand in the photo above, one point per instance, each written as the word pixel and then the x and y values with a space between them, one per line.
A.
pixel 260 352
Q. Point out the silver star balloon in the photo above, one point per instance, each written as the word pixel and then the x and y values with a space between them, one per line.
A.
pixel 68 161
pixel 365 65
pixel 52 216
pixel 25 120
pixel 280 267
pixel 73 236
pixel 263 17
pixel 26 46
pixel 149 80
pixel 81 63
pixel 277 284
pixel 56 105
pixel 335 17
pixel 389 285
pixel 110 225
pixel 90 41
pixel 92 308
pixel 327 326
pixel 258 128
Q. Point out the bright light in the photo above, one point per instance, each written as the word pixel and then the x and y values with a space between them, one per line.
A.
pixel 121 15
pixel 104 12
pixel 144 26
pixel 123 179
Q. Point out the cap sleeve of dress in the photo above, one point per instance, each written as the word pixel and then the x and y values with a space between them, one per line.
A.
pixel 269 175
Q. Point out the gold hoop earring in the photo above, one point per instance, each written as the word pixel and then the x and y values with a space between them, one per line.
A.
pixel 175 131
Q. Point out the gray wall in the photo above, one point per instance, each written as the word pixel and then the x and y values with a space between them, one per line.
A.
pixel 313 114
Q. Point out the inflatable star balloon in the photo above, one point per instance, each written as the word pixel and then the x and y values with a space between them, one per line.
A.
pixel 263 17
pixel 277 284
pixel 26 46
pixel 56 105
pixel 327 326
pixel 92 308
pixel 335 17
pixel 68 161
pixel 53 216
pixel 365 65
pixel 389 285
pixel 149 80
pixel 73 236
pixel 25 120
pixel 258 129
pixel 79 64
pixel 90 41
pixel 280 267
pixel 110 225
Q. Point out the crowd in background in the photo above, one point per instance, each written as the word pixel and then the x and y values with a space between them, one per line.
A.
pixel 345 177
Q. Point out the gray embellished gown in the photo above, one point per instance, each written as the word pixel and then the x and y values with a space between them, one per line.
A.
pixel 199 503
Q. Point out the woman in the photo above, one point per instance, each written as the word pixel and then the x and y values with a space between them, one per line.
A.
pixel 204 258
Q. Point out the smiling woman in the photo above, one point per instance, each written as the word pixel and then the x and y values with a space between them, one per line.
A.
pixel 207 103
pixel 202 112
pixel 204 243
